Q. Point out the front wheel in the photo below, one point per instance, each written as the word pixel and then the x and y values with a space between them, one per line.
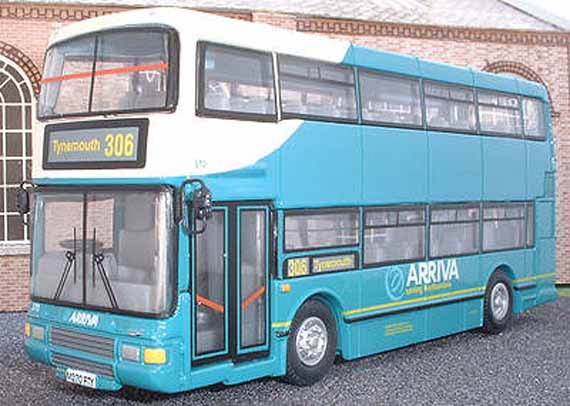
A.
pixel 311 347
pixel 498 308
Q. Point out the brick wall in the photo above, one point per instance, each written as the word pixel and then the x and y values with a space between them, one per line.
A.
pixel 14 283
pixel 25 30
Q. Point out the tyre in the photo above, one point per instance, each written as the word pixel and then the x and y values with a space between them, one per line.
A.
pixel 311 346
pixel 498 308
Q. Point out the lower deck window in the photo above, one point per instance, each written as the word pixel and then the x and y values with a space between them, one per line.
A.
pixel 529 224
pixel 454 230
pixel 319 229
pixel 503 226
pixel 394 235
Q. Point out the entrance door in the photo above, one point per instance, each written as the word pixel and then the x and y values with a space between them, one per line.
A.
pixel 230 285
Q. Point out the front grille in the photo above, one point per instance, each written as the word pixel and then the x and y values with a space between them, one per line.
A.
pixel 91 344
pixel 83 365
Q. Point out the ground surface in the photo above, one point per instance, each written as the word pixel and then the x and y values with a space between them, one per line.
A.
pixel 527 364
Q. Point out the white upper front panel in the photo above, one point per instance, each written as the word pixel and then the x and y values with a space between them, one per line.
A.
pixel 180 143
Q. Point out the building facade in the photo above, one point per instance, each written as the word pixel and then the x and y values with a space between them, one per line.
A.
pixel 498 36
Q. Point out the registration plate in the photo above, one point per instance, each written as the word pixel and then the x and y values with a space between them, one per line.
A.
pixel 81 378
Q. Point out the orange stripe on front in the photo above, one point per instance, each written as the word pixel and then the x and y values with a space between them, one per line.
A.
pixel 83 75
pixel 252 297
pixel 208 303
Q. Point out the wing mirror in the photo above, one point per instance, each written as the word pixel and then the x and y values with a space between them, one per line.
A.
pixel 198 210
pixel 23 200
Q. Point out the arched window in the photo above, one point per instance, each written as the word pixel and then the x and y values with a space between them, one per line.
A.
pixel 15 147
pixel 517 69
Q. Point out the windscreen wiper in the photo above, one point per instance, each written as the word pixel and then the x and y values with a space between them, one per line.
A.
pixel 97 262
pixel 70 257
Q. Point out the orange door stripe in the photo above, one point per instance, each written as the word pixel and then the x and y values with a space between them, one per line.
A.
pixel 209 303
pixel 252 297
pixel 83 75
pixel 220 309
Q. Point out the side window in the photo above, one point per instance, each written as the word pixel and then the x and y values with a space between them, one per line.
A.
pixel 530 224
pixel 317 229
pixel 454 230
pixel 450 107
pixel 389 99
pixel 236 82
pixel 499 113
pixel 504 226
pixel 316 89
pixel 533 113
pixel 394 235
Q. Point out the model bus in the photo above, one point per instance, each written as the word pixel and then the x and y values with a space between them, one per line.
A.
pixel 215 201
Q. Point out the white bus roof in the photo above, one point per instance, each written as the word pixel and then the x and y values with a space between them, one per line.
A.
pixel 209 27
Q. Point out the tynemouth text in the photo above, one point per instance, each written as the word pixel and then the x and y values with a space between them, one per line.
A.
pixel 62 147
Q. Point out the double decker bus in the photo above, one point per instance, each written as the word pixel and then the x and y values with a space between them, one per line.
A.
pixel 215 201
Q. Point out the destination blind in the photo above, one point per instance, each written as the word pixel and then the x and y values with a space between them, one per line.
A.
pixel 96 145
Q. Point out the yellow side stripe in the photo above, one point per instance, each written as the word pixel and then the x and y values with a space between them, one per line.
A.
pixel 415 300
pixel 424 299
pixel 281 324
pixel 535 277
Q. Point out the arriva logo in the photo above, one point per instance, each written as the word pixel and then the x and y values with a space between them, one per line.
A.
pixel 395 283
pixel 432 272
pixel 84 319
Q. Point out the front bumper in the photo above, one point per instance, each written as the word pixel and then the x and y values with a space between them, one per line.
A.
pixel 159 378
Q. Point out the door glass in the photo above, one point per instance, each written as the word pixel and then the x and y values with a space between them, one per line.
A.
pixel 210 286
pixel 252 273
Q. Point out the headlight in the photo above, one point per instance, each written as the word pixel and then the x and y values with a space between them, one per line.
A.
pixel 154 356
pixel 27 329
pixel 130 353
pixel 38 332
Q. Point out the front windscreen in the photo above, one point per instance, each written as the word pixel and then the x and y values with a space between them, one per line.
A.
pixel 116 71
pixel 107 249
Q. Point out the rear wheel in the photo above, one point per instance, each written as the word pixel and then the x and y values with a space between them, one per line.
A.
pixel 311 346
pixel 498 303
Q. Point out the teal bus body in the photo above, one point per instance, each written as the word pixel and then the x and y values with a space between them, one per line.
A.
pixel 357 166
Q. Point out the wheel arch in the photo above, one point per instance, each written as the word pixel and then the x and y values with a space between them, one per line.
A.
pixel 506 269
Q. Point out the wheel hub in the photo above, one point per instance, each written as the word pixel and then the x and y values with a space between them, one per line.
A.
pixel 500 301
pixel 311 342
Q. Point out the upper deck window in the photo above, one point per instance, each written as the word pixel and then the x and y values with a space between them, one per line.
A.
pixel 533 112
pixel 499 113
pixel 390 99
pixel 236 83
pixel 450 107
pixel 108 72
pixel 314 89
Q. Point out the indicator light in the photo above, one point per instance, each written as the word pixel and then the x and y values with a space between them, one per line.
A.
pixel 154 356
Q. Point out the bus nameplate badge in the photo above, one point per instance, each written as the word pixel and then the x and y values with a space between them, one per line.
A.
pixel 297 267
pixel 96 145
